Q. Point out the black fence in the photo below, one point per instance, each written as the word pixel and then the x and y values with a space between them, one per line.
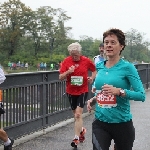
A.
pixel 34 101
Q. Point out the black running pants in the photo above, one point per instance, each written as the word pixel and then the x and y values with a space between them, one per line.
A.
pixel 123 135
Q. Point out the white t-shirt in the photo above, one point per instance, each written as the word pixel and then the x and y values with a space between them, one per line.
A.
pixel 98 58
pixel 2 76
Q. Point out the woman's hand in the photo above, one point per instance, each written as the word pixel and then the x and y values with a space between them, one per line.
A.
pixel 90 80
pixel 90 103
pixel 93 90
pixel 89 107
pixel 110 90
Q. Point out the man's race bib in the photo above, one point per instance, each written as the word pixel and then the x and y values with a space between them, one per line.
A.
pixel 106 101
pixel 76 80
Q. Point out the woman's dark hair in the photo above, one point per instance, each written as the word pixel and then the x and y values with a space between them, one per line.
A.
pixel 120 35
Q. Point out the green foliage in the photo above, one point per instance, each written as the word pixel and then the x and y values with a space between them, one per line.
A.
pixel 41 36
pixel 14 17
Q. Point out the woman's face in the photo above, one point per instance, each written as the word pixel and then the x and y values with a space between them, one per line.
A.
pixel 112 46
pixel 75 55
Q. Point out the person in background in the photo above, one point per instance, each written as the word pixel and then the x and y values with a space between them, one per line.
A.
pixel 41 66
pixel 100 57
pixel 38 66
pixel 9 65
pixel 45 66
pixel 51 66
pixel 117 83
pixel 3 135
pixel 22 65
pixel 26 65
pixel 59 65
pixel 75 69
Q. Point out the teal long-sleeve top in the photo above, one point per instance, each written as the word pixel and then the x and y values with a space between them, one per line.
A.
pixel 122 75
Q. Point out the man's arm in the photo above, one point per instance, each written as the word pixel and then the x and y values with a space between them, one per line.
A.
pixel 94 74
pixel 91 79
pixel 65 74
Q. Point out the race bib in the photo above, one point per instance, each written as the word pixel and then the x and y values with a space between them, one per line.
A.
pixel 106 101
pixel 76 80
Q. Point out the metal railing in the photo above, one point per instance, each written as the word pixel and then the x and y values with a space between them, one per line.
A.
pixel 34 101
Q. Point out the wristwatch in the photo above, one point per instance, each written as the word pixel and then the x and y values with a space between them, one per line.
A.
pixel 121 92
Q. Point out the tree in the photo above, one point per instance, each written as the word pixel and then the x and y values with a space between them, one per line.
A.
pixel 134 40
pixel 14 18
pixel 48 26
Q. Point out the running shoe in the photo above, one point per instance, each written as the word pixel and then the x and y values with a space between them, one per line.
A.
pixel 82 137
pixel 9 147
pixel 75 142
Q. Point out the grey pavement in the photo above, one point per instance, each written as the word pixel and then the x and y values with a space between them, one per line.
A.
pixel 59 136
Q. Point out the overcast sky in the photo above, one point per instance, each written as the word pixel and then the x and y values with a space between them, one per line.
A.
pixel 93 17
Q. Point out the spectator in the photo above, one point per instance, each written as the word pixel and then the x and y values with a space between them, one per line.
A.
pixel 60 64
pixel 38 66
pixel 57 66
pixel 26 66
pixel 22 65
pixel 41 66
pixel 51 66
pixel 18 65
pixel 9 65
pixel 14 66
pixel 45 66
